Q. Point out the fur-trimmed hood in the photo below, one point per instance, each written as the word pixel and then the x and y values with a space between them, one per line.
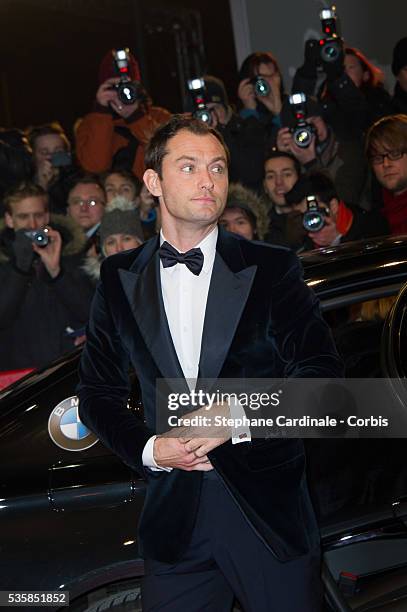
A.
pixel 91 266
pixel 238 195
pixel 73 237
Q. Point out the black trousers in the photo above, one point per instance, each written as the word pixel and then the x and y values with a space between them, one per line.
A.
pixel 226 559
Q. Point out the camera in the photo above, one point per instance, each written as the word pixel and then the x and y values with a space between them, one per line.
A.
pixel 38 237
pixel 314 218
pixel 261 86
pixel 61 159
pixel 128 91
pixel 331 44
pixel 302 131
pixel 328 49
pixel 201 111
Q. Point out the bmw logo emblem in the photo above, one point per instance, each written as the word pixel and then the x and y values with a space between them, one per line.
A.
pixel 66 429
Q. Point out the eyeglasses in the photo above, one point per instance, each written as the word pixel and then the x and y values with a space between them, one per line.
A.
pixel 91 202
pixel 378 159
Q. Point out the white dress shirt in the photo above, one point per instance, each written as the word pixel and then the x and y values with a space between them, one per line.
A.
pixel 185 296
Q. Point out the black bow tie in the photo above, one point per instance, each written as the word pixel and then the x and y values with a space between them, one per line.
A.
pixel 193 259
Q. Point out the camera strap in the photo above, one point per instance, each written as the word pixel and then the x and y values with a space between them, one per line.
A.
pixel 125 156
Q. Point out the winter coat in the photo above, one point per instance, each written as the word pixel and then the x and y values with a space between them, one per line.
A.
pixel 36 309
pixel 105 140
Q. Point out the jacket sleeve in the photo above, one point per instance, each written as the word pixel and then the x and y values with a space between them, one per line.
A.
pixel 14 287
pixel 94 142
pixel 301 337
pixel 104 388
pixel 74 290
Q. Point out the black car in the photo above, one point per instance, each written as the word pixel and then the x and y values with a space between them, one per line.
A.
pixel 69 508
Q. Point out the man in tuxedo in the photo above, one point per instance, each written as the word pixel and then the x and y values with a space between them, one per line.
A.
pixel 221 518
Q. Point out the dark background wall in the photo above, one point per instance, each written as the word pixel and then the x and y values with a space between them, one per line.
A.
pixel 50 51
pixel 282 26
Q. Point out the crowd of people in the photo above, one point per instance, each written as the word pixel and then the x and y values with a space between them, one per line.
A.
pixel 65 206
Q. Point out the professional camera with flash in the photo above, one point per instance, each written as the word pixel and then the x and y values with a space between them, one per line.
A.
pixel 128 91
pixel 330 47
pixel 201 111
pixel 314 218
pixel 303 131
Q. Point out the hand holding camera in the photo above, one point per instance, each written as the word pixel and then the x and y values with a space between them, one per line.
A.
pixel 247 94
pixel 50 254
pixel 327 52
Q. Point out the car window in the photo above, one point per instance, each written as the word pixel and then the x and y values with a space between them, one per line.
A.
pixel 357 330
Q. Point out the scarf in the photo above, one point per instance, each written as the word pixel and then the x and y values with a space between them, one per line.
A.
pixel 395 211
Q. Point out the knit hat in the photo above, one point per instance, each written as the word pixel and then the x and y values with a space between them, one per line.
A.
pixel 107 68
pixel 245 199
pixel 399 56
pixel 215 91
pixel 120 218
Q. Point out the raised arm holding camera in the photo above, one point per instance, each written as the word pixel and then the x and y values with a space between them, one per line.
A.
pixel 115 133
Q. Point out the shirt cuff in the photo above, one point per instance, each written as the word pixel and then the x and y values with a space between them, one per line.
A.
pixel 148 460
pixel 241 433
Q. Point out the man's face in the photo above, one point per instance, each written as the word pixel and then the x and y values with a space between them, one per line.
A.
pixel 194 184
pixel 391 174
pixel 117 185
pixel 280 177
pixel 45 146
pixel 236 220
pixel 402 78
pixel 29 214
pixel 86 204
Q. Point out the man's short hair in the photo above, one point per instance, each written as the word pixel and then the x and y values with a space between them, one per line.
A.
pixel 275 154
pixel 156 149
pixel 125 174
pixel 389 132
pixel 318 184
pixel 86 179
pixel 47 129
pixel 21 192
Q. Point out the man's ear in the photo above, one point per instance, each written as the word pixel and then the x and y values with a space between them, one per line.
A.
pixel 333 206
pixel 152 182
pixel 8 219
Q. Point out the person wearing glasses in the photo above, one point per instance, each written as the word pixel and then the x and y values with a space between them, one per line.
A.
pixel 386 147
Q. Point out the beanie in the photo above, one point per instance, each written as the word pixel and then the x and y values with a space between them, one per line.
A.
pixel 399 56
pixel 215 91
pixel 107 68
pixel 120 218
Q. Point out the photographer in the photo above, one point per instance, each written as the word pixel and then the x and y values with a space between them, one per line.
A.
pixel 44 292
pixel 352 95
pixel 53 165
pixel 326 220
pixel 245 137
pixel 115 133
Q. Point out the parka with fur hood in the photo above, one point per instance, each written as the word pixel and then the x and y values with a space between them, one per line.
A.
pixel 36 310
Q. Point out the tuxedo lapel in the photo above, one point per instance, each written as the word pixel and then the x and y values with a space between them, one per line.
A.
pixel 228 292
pixel 143 290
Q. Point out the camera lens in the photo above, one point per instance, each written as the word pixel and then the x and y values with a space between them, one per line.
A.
pixel 302 137
pixel 127 92
pixel 261 87
pixel 204 115
pixel 313 221
pixel 330 52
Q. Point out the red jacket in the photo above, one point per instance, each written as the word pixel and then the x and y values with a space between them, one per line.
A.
pixel 97 141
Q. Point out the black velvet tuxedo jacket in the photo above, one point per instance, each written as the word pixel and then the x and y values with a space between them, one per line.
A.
pixel 261 321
